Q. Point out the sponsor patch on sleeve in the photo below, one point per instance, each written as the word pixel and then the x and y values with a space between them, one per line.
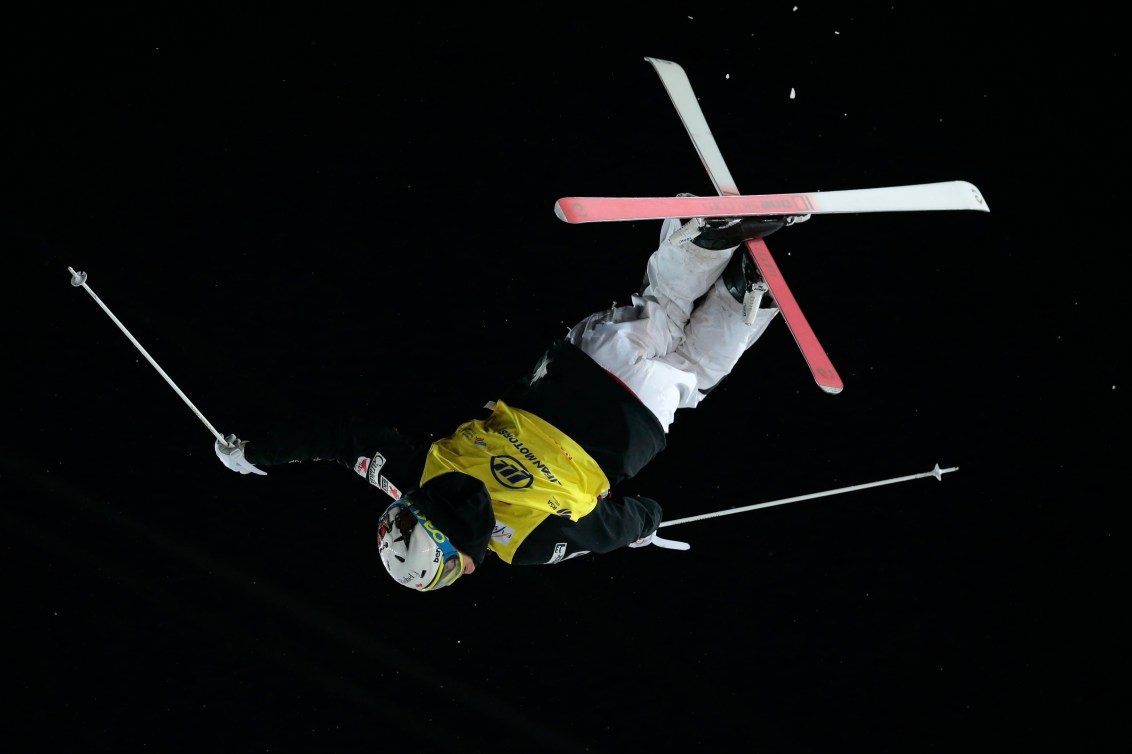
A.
pixel 370 468
pixel 374 472
pixel 560 554
pixel 388 488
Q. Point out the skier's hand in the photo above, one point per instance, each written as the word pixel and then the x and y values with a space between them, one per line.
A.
pixel 668 544
pixel 231 452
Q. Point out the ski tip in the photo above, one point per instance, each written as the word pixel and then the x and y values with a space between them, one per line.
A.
pixel 977 200
pixel 559 213
pixel 827 377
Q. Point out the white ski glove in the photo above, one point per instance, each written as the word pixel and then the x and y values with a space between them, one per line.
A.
pixel 668 544
pixel 231 452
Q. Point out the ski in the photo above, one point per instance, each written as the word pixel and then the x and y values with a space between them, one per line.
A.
pixel 680 92
pixel 948 195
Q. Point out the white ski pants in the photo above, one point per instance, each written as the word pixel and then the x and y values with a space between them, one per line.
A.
pixel 663 351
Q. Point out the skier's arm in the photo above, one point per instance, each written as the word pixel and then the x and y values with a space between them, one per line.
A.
pixel 616 522
pixel 344 440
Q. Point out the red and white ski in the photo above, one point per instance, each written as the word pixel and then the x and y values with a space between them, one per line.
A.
pixel 680 91
pixel 948 195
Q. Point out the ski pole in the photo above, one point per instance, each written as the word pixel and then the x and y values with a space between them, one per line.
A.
pixel 937 472
pixel 78 279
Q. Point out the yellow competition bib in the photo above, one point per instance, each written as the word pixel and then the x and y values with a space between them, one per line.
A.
pixel 531 471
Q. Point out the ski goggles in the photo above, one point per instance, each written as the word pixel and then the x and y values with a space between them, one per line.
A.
pixel 451 569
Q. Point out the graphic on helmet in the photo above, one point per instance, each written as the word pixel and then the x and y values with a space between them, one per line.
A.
pixel 414 552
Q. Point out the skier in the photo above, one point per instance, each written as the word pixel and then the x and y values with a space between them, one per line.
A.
pixel 533 481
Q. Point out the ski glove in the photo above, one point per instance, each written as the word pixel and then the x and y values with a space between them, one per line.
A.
pixel 668 544
pixel 231 452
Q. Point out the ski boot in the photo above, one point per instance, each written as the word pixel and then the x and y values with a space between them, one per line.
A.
pixel 717 233
pixel 742 279
pixel 723 233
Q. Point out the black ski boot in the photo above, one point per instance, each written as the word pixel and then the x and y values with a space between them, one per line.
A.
pixel 719 233
pixel 746 285
pixel 741 276
pixel 723 233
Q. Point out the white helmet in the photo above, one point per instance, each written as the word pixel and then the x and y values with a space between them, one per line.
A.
pixel 415 552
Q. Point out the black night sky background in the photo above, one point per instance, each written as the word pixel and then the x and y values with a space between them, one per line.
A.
pixel 299 214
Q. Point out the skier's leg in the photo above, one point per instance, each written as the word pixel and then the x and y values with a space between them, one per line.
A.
pixel 715 338
pixel 627 341
pixel 679 273
pixel 667 228
pixel 640 344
